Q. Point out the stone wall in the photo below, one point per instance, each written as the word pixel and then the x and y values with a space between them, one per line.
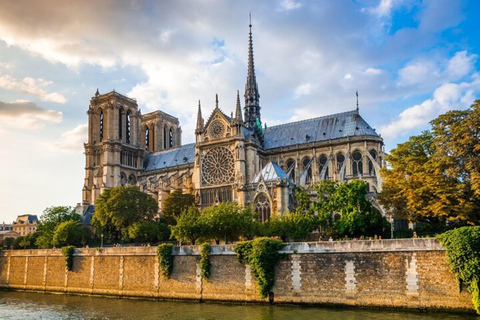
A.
pixel 407 273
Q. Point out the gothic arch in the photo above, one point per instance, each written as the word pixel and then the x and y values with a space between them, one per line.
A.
pixel 128 127
pixel 357 163
pixel 290 168
pixel 306 162
pixel 263 206
pixel 323 167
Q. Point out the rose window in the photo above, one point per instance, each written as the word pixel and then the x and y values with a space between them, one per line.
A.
pixel 217 129
pixel 217 166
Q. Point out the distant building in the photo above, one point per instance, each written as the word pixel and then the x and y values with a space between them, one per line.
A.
pixel 25 224
pixel 8 234
pixel 5 227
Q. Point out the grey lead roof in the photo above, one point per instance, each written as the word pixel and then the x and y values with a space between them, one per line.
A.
pixel 271 172
pixel 335 126
pixel 170 158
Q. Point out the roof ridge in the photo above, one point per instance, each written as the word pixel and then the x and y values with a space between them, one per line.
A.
pixel 173 149
pixel 311 119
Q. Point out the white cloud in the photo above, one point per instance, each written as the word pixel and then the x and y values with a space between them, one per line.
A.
pixel 72 140
pixel 288 5
pixel 449 96
pixel 348 76
pixel 374 71
pixel 383 9
pixel 303 89
pixel 461 64
pixel 27 115
pixel 33 87
pixel 433 71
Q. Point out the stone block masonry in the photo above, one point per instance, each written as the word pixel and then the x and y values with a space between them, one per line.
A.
pixel 407 273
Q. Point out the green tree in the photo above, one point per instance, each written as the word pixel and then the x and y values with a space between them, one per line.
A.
pixel 118 208
pixel 49 220
pixel 174 204
pixel 71 233
pixel 226 221
pixel 357 215
pixel 436 175
pixel 189 227
pixel 148 231
pixel 292 225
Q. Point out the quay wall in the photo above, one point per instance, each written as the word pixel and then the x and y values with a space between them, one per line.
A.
pixel 406 273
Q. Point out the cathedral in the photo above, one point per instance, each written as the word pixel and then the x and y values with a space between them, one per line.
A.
pixel 234 158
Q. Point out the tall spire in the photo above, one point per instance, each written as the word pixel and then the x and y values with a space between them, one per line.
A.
pixel 199 117
pixel 252 97
pixel 357 100
pixel 238 111
pixel 216 101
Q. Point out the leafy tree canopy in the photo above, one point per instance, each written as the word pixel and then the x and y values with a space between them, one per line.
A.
pixel 437 173
pixel 49 220
pixel 118 208
pixel 70 232
pixel 174 204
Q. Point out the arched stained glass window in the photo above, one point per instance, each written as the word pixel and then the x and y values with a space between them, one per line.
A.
pixel 101 125
pixel 262 207
pixel 147 139
pixel 322 163
pixel 357 163
pixel 340 160
pixel 128 127
pixel 170 138
pixel 305 163
pixel 371 167
pixel 291 169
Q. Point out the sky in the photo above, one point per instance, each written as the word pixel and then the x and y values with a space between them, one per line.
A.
pixel 409 60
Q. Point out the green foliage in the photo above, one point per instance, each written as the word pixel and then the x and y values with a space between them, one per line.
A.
pixel 148 231
pixel 70 232
pixel 205 263
pixel 174 204
pixel 463 255
pixel 165 259
pixel 118 208
pixel 294 225
pixel 68 252
pixel 340 208
pixel 437 173
pixel 24 243
pixel 189 226
pixel 49 220
pixel 8 242
pixel 262 255
pixel 226 221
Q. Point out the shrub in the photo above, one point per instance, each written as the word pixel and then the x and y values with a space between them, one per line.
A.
pixel 262 256
pixel 205 263
pixel 463 255
pixel 165 259
pixel 68 254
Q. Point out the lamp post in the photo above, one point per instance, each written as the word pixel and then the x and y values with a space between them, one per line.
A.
pixel 101 240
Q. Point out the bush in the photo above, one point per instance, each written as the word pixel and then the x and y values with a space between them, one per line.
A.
pixel 205 263
pixel 68 254
pixel 165 259
pixel 262 256
pixel 463 255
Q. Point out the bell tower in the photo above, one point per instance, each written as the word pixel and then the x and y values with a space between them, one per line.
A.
pixel 113 152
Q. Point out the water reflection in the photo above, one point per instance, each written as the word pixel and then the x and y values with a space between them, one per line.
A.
pixel 27 305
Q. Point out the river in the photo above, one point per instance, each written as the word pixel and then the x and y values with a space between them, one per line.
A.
pixel 30 305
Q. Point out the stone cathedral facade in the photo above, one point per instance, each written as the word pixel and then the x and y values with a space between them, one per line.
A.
pixel 234 158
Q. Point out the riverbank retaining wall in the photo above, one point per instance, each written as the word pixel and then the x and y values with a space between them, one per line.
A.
pixel 406 273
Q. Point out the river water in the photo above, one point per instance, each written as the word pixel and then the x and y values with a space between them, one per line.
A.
pixel 28 305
